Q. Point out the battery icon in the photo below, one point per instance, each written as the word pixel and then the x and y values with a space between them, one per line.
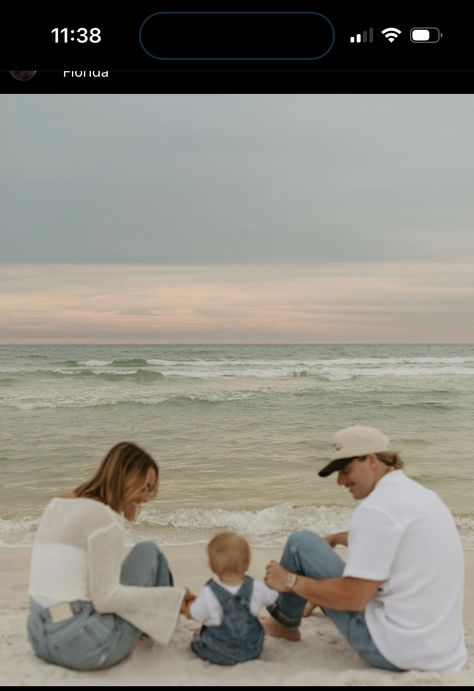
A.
pixel 425 34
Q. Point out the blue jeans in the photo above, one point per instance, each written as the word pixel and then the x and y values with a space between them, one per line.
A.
pixel 307 554
pixel 90 640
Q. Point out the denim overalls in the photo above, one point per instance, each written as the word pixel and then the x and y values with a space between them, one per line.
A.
pixel 240 635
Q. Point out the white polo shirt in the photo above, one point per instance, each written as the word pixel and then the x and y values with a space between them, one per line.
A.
pixel 404 535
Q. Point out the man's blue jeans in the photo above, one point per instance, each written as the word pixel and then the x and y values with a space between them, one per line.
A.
pixel 90 640
pixel 307 554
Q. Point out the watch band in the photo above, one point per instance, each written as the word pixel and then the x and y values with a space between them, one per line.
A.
pixel 290 581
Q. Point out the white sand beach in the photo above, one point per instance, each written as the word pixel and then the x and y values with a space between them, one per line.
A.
pixel 321 658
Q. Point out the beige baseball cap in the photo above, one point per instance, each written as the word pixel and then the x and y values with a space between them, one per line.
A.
pixel 352 442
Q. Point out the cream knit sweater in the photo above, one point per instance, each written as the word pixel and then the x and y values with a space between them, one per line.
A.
pixel 77 555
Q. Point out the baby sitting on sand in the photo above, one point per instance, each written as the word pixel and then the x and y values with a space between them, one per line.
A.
pixel 229 604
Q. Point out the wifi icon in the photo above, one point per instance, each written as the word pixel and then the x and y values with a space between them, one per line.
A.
pixel 391 33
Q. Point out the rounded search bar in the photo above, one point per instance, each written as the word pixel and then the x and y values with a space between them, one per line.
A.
pixel 236 35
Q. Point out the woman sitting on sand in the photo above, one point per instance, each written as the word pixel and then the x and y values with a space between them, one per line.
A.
pixel 88 609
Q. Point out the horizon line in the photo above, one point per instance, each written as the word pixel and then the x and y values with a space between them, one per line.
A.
pixel 243 343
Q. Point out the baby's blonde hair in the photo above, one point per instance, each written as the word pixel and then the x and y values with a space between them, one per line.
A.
pixel 228 552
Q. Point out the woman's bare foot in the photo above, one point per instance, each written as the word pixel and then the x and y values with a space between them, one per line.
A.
pixel 273 628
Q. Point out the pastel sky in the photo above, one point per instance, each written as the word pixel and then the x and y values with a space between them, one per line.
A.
pixel 236 218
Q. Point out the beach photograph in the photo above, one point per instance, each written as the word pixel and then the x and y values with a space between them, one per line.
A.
pixel 226 280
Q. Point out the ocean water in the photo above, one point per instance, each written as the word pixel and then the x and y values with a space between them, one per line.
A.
pixel 239 431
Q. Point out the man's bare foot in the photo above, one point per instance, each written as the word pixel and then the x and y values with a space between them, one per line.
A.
pixel 308 609
pixel 273 628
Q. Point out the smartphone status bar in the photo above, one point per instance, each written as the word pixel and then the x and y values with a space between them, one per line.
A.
pixel 170 48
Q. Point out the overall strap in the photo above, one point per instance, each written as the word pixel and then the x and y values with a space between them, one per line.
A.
pixel 221 593
pixel 246 589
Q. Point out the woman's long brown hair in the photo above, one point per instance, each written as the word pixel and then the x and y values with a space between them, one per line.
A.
pixel 124 461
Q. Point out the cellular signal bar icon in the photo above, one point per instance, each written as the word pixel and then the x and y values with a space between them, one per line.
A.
pixel 365 37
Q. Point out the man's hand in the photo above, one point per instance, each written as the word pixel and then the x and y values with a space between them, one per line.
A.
pixel 276 576
pixel 336 539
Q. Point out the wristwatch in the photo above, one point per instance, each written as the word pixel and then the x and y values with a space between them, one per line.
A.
pixel 290 581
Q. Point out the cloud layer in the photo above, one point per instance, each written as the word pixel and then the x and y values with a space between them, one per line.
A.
pixel 325 303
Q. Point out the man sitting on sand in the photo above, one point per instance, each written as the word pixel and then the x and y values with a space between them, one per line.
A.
pixel 398 599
